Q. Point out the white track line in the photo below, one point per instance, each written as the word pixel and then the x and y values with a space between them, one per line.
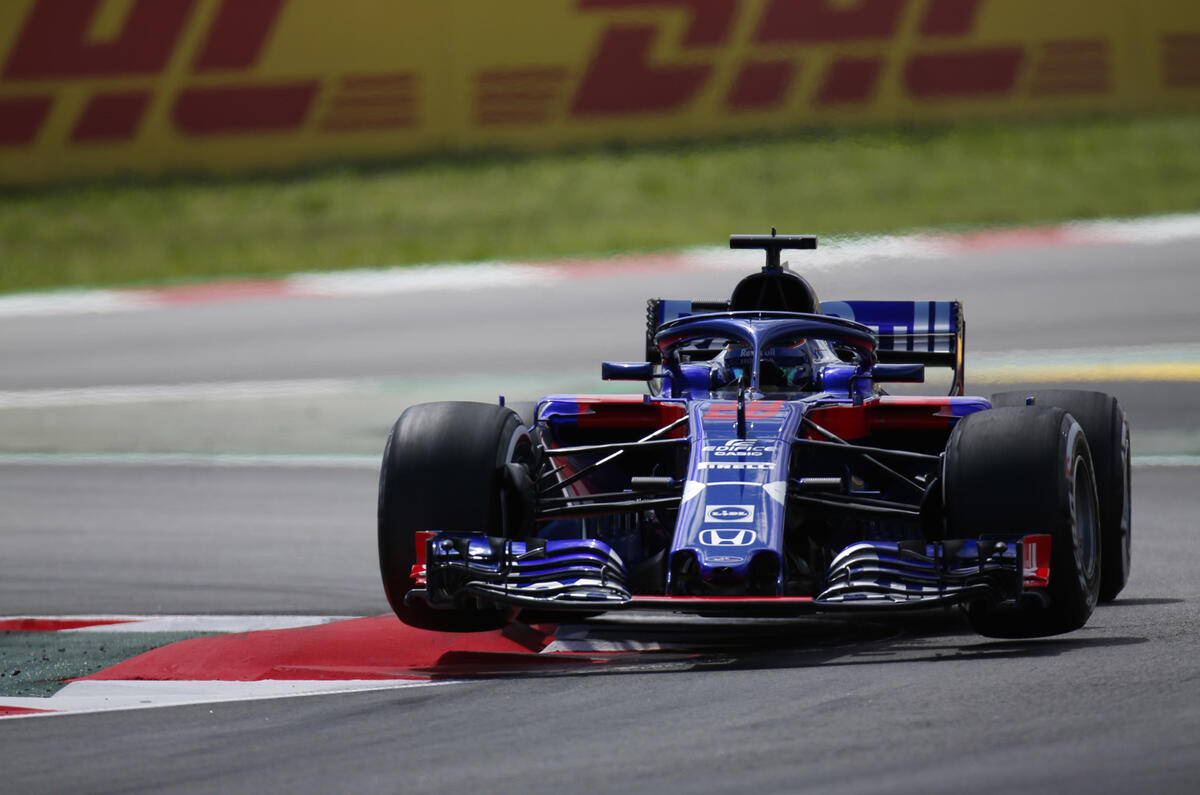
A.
pixel 186 623
pixel 112 695
pixel 300 461
pixel 159 393
pixel 70 302
pixel 1065 357
pixel 418 278
pixel 1166 460
pixel 248 460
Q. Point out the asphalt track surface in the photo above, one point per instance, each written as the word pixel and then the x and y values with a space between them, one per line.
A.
pixel 884 705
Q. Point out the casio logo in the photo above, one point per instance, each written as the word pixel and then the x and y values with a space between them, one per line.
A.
pixel 739 448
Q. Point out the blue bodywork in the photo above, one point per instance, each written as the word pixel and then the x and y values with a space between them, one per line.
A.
pixel 732 512
pixel 723 489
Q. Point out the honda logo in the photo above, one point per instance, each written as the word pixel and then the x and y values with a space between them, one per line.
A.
pixel 713 537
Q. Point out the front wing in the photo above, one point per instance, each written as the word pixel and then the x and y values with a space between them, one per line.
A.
pixel 587 575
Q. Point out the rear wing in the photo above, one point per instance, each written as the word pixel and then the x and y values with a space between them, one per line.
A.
pixel 931 333
pixel 660 310
pixel 912 332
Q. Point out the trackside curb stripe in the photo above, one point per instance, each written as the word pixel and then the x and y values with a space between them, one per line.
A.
pixel 491 275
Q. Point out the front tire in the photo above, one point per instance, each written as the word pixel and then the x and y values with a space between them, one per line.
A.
pixel 454 467
pixel 1107 431
pixel 1028 470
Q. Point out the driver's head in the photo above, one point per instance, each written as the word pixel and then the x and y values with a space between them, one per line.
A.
pixel 772 375
pixel 733 363
pixel 786 366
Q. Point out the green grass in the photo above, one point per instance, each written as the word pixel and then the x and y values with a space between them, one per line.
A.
pixel 598 201
pixel 39 664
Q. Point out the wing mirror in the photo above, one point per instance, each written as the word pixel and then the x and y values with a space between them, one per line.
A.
pixel 626 371
pixel 898 373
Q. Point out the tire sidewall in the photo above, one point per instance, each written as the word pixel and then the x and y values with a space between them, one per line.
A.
pixel 1118 527
pixel 1107 429
pixel 1027 470
pixel 1077 555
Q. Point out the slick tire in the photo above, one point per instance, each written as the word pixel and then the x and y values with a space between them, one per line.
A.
pixel 1028 470
pixel 446 466
pixel 1107 430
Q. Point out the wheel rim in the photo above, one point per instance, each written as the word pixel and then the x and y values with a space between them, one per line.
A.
pixel 520 451
pixel 1085 528
pixel 1126 501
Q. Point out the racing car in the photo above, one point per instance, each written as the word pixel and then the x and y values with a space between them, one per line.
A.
pixel 764 470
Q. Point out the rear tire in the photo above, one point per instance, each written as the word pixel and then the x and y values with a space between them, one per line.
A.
pixel 1027 470
pixel 446 467
pixel 1107 430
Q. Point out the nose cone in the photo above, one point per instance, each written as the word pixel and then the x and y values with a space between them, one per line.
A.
pixel 722 575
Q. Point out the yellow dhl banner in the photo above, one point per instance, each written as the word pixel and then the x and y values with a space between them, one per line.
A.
pixel 93 88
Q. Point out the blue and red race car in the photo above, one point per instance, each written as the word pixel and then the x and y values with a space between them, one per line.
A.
pixel 765 471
